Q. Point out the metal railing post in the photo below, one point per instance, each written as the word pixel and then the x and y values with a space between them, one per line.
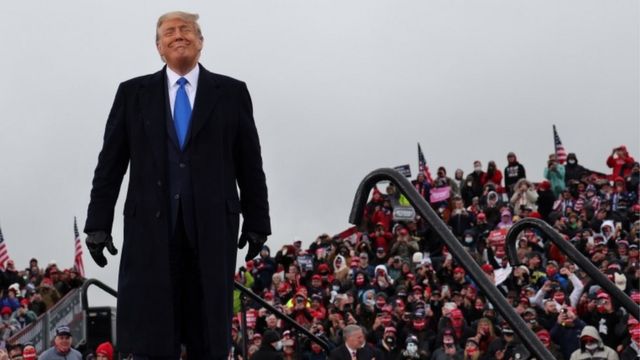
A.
pixel 245 332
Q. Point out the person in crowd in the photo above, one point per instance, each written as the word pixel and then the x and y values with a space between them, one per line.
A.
pixel 524 197
pixel 389 347
pixel 592 347
pixel 459 179
pixel 443 180
pixel 574 172
pixel 270 348
pixel 620 162
pixel 61 350
pixel 545 338
pixel 411 350
pixel 492 176
pixel 476 177
pixel 15 351
pixel 354 346
pixel 513 172
pixel 555 172
pixel 29 352
pixel 447 348
pixel 104 351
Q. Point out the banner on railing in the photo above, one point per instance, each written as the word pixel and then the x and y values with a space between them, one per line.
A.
pixel 67 311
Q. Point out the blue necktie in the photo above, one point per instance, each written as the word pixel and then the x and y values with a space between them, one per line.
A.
pixel 182 112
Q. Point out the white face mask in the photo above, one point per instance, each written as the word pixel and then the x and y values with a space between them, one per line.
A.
pixel 468 239
pixel 412 348
pixel 278 345
pixel 591 347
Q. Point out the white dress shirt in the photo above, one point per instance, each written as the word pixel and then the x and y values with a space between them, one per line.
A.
pixel 190 87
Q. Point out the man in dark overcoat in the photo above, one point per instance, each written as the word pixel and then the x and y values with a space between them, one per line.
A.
pixel 190 141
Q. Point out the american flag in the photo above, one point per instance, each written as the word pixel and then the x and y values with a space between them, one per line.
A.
pixel 561 154
pixel 4 253
pixel 77 262
pixel 423 167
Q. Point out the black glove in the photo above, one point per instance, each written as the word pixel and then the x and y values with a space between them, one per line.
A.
pixel 255 243
pixel 96 241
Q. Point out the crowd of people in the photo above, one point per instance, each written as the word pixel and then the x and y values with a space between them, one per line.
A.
pixel 393 291
pixel 29 293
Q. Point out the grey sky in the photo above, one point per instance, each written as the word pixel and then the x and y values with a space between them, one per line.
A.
pixel 339 88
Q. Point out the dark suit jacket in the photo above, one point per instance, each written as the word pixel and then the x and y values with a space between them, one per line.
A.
pixel 365 353
pixel 223 151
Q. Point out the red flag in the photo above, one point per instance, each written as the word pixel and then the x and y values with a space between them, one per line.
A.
pixel 4 252
pixel 561 154
pixel 422 166
pixel 77 262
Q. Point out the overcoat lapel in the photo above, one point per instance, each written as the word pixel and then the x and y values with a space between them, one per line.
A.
pixel 207 97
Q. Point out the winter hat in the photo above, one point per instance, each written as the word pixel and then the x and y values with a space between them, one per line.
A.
pixel 545 185
pixel 105 349
pixel 390 330
pixel 412 339
pixel 620 280
pixel 417 258
pixel 543 335
pixel 6 310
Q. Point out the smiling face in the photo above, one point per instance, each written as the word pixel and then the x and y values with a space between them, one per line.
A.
pixel 63 343
pixel 179 43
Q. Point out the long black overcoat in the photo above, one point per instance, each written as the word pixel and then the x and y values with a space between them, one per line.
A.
pixel 225 155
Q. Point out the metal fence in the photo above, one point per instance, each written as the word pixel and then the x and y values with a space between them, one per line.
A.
pixel 67 311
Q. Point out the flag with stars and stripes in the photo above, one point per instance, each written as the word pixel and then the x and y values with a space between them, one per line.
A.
pixel 561 154
pixel 4 252
pixel 423 168
pixel 77 261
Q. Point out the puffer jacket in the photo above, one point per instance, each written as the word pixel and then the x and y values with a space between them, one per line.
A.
pixel 603 352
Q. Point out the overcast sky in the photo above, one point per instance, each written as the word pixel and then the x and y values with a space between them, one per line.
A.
pixel 339 88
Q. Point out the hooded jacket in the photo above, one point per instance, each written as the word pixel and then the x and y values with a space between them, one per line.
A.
pixel 513 172
pixel 573 171
pixel 602 352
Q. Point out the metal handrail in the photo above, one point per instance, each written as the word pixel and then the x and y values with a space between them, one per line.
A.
pixel 250 294
pixel 585 264
pixel 85 297
pixel 455 248
pixel 243 290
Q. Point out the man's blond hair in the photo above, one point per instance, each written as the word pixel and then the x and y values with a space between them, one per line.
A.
pixel 188 17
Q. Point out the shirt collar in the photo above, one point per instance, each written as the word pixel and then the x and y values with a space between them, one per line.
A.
pixel 191 76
